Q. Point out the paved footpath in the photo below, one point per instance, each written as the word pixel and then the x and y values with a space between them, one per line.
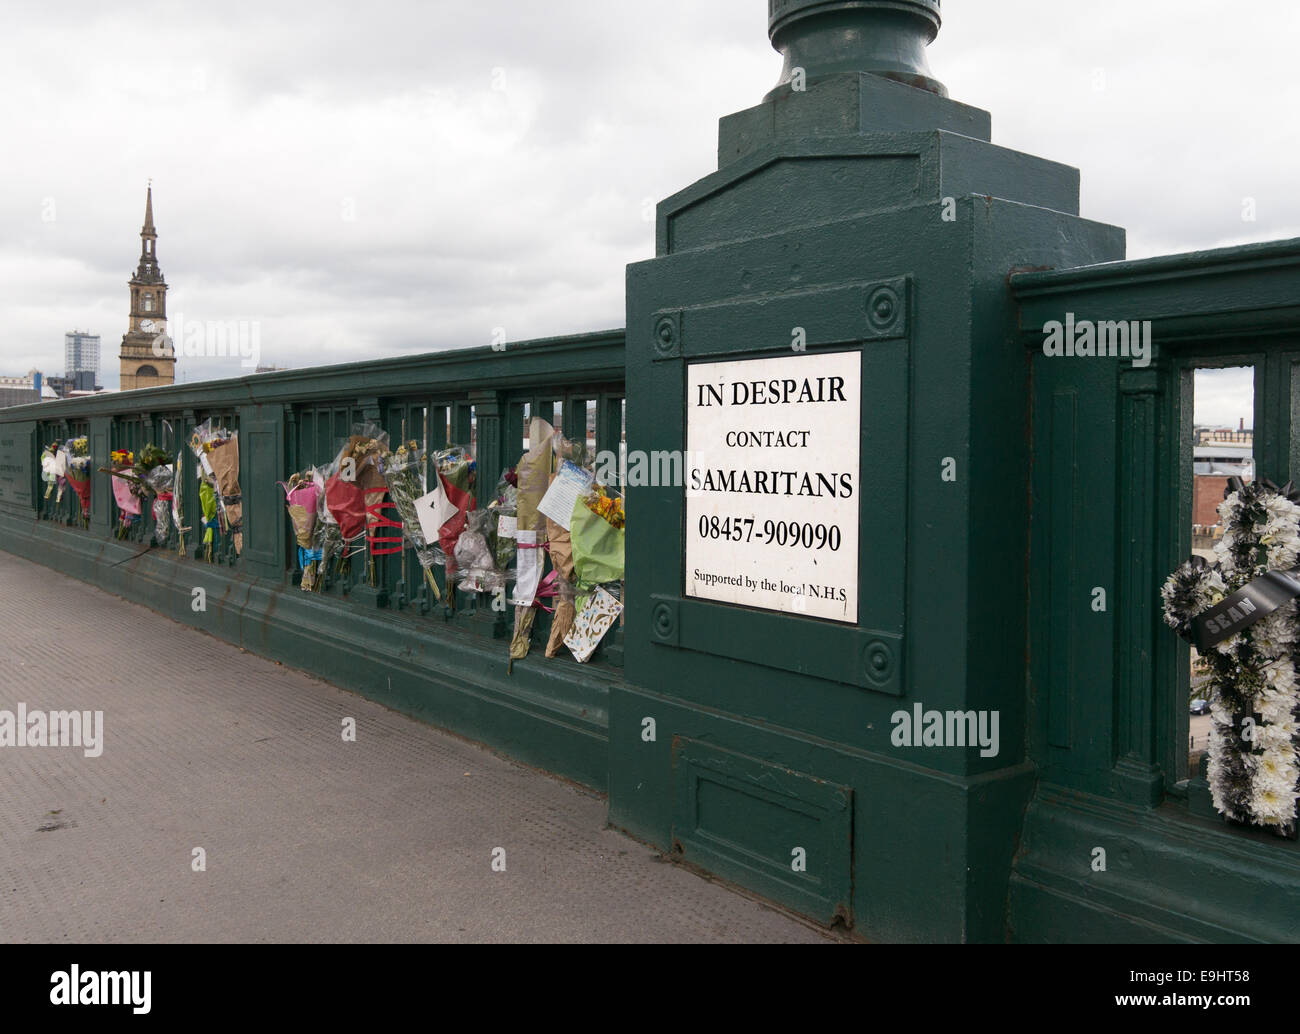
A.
pixel 306 838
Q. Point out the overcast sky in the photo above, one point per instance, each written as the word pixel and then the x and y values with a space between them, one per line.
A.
pixel 407 175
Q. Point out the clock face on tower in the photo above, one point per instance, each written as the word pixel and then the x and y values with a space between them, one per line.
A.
pixel 148 326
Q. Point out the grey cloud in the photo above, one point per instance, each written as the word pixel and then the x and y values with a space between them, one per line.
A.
pixel 347 174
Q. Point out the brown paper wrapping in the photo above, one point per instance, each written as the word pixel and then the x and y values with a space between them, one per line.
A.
pixel 561 547
pixel 224 460
pixel 534 474
pixel 561 550
pixel 561 625
pixel 225 465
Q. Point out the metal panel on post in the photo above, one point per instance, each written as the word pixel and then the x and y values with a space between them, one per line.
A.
pixel 18 465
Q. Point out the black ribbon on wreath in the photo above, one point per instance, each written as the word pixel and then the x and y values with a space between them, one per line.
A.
pixel 1287 491
pixel 1254 601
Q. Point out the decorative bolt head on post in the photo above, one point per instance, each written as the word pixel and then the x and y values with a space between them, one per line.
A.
pixel 884 37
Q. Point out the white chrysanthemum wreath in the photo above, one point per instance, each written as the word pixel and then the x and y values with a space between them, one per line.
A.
pixel 1241 613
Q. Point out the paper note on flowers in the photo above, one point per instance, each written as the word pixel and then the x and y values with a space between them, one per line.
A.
pixel 528 570
pixel 434 510
pixel 571 482
pixel 591 624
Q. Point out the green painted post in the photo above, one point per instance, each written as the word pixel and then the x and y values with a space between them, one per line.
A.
pixel 191 510
pixel 100 437
pixel 489 447
pixel 860 221
pixel 574 423
pixel 262 458
pixel 1137 777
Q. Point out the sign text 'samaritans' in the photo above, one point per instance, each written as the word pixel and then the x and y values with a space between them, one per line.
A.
pixel 810 485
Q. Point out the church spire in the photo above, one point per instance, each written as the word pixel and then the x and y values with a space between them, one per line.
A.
pixel 148 358
pixel 148 229
pixel 148 272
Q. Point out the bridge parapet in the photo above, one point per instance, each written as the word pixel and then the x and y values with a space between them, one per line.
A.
pixel 441 656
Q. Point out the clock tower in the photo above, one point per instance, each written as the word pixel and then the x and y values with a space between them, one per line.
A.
pixel 148 358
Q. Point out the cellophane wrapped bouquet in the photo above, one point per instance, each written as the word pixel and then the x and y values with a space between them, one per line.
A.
pixel 216 452
pixel 50 470
pixel 78 463
pixel 354 487
pixel 456 471
pixel 302 501
pixel 157 472
pixel 596 531
pixel 404 475
pixel 128 490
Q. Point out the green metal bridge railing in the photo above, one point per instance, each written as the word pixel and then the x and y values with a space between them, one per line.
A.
pixel 481 398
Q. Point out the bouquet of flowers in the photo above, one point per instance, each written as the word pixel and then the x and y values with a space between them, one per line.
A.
pixel 607 507
pixel 217 453
pixel 157 471
pixel 560 547
pixel 456 471
pixel 475 553
pixel 596 533
pixel 404 475
pixel 128 490
pixel 356 481
pixel 504 509
pixel 302 500
pixel 208 505
pixel 177 507
pixel 532 478
pixel 1241 613
pixel 377 501
pixel 207 491
pixel 329 537
pixel 50 470
pixel 78 464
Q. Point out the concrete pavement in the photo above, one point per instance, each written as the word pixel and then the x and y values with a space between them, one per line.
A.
pixel 304 837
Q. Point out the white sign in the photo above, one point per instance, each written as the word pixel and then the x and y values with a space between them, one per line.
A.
pixel 773 452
